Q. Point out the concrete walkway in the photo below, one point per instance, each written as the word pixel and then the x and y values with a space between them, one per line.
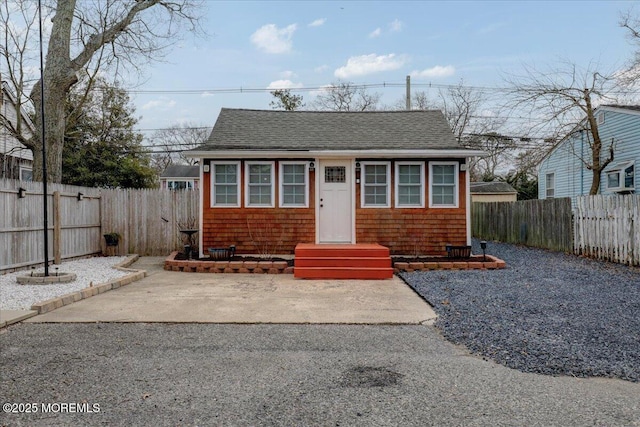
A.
pixel 176 297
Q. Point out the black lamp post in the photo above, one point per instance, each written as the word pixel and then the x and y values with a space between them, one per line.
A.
pixel 483 245
pixel 44 152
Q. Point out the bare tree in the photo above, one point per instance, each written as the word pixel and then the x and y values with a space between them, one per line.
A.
pixel 631 23
pixel 172 141
pixel 562 101
pixel 345 96
pixel 84 37
pixel 419 101
pixel 500 151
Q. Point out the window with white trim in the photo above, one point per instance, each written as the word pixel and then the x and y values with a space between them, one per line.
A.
pixel 620 178
pixel 409 185
pixel 259 180
pixel 443 180
pixel 26 174
pixel 294 188
pixel 375 184
pixel 550 185
pixel 225 184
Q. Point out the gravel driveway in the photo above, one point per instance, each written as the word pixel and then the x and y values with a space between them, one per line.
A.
pixel 547 312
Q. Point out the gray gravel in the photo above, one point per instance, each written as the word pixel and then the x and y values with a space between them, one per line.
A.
pixel 547 312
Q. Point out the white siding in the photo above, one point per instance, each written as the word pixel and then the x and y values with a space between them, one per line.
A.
pixel 8 144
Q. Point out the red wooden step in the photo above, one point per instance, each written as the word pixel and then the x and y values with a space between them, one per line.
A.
pixel 334 261
pixel 342 273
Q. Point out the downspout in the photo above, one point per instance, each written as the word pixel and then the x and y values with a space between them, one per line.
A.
pixel 468 197
pixel 581 162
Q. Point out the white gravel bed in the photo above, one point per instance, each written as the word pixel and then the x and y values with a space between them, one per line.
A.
pixel 14 296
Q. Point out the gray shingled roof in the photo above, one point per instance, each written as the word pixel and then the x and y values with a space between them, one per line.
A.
pixel 239 129
pixel 181 171
pixel 625 107
pixel 491 187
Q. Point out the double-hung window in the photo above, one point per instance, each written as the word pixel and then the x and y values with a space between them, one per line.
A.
pixel 443 180
pixel 375 185
pixel 294 190
pixel 225 184
pixel 259 178
pixel 409 185
pixel 550 184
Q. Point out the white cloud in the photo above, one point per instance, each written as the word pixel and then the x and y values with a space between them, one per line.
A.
pixel 368 64
pixel 396 26
pixel 321 69
pixel 271 39
pixel 206 94
pixel 375 33
pixel 159 104
pixel 318 22
pixel 437 71
pixel 284 84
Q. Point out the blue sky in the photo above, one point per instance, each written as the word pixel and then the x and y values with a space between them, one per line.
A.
pixel 297 44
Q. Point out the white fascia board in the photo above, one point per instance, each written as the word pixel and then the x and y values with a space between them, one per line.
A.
pixel 248 154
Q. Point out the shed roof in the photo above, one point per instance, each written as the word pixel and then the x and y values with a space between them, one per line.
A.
pixel 267 130
pixel 491 188
pixel 181 171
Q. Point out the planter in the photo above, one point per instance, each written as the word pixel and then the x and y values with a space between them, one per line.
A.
pixel 112 239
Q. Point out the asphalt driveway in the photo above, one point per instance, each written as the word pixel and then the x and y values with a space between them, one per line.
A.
pixel 175 297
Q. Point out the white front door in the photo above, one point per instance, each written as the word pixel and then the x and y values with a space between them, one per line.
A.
pixel 335 204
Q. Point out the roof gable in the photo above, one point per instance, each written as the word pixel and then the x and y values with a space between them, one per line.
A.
pixel 267 130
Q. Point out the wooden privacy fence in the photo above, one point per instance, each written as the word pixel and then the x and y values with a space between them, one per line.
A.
pixel 608 228
pixel 539 223
pixel 73 224
pixel 149 221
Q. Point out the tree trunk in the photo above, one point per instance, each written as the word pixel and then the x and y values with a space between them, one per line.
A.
pixel 596 146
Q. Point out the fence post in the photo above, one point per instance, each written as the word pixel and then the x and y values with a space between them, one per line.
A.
pixel 57 228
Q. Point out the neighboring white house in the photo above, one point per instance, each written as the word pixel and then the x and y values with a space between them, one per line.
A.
pixel 180 177
pixel 16 160
pixel 562 174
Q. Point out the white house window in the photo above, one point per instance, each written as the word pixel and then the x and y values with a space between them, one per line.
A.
pixel 621 177
pixel 375 185
pixel 180 185
pixel 26 174
pixel 225 185
pixel 409 185
pixel 259 184
pixel 550 185
pixel 294 190
pixel 443 179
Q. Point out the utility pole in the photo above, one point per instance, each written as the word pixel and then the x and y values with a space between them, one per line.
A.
pixel 408 93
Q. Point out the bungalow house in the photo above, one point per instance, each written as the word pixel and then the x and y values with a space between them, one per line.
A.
pixel 277 179
pixel 16 160
pixel 180 177
pixel 561 173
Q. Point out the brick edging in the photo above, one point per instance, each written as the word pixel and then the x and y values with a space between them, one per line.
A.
pixel 246 267
pixel 492 263
pixel 134 275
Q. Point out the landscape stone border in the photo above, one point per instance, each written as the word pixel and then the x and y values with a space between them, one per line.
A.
pixel 134 275
pixel 246 267
pixel 41 279
pixel 474 263
pixel 280 267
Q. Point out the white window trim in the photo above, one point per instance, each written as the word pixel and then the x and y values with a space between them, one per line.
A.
pixel 25 168
pixel 362 185
pixel 620 169
pixel 456 184
pixel 213 185
pixel 281 184
pixel 546 188
pixel 397 185
pixel 247 165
